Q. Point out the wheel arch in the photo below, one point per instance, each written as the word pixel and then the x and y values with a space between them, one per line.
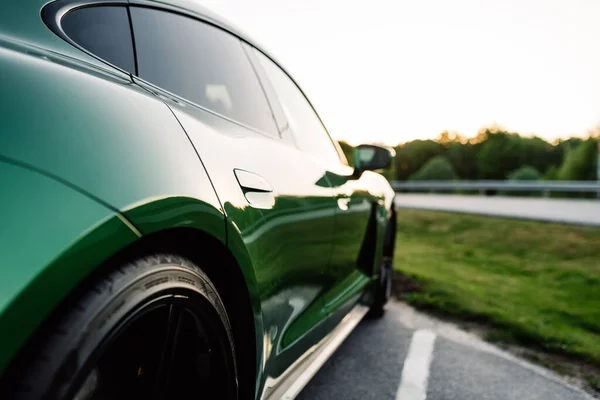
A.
pixel 194 230
pixel 198 230
pixel 235 285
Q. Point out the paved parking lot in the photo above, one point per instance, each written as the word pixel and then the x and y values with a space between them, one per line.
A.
pixel 408 356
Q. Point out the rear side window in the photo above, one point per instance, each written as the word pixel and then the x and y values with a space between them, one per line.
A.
pixel 307 128
pixel 200 63
pixel 103 31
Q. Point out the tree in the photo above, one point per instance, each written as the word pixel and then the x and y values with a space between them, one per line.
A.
pixel 580 162
pixel 463 157
pixel 500 153
pixel 539 154
pixel 448 137
pixel 525 173
pixel 411 156
pixel 551 173
pixel 438 168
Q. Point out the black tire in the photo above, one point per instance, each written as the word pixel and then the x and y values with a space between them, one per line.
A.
pixel 155 328
pixel 383 289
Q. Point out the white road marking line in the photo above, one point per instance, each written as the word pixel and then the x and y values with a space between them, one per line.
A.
pixel 415 373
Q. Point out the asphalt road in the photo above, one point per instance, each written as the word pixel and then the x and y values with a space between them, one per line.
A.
pixel 408 356
pixel 581 212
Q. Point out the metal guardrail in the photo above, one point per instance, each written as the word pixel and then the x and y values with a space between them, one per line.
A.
pixel 482 187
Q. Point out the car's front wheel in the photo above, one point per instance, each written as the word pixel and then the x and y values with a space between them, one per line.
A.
pixel 383 288
pixel 154 329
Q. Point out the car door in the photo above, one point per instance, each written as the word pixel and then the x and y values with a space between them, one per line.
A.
pixel 277 197
pixel 354 233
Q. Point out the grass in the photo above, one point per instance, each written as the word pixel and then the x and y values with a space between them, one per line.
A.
pixel 593 382
pixel 537 283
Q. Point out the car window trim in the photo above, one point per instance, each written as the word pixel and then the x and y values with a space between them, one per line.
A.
pixel 261 84
pixel 278 114
pixel 53 13
pixel 133 43
pixel 159 92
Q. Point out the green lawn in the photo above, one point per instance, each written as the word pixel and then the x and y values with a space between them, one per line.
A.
pixel 538 282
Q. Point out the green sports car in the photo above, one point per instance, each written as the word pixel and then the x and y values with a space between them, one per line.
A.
pixel 175 221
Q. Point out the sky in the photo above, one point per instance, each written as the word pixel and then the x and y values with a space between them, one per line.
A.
pixel 396 70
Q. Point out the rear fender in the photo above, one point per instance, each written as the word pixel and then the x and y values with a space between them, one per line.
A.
pixel 52 237
pixel 169 218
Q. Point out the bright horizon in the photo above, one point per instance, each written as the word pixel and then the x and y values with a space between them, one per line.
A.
pixel 394 71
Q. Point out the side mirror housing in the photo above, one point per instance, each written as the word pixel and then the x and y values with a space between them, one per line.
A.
pixel 370 157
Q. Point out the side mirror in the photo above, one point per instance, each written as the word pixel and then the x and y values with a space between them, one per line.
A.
pixel 370 157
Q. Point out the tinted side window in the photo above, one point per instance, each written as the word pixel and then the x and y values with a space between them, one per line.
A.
pixel 104 32
pixel 309 132
pixel 201 63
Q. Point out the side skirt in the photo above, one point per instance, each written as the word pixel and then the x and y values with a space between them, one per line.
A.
pixel 302 371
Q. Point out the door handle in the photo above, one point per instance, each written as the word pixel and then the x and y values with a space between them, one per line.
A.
pixel 252 182
pixel 257 191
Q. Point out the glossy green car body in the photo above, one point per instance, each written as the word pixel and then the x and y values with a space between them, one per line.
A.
pixel 95 162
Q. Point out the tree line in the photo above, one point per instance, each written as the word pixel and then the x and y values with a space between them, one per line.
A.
pixel 494 153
